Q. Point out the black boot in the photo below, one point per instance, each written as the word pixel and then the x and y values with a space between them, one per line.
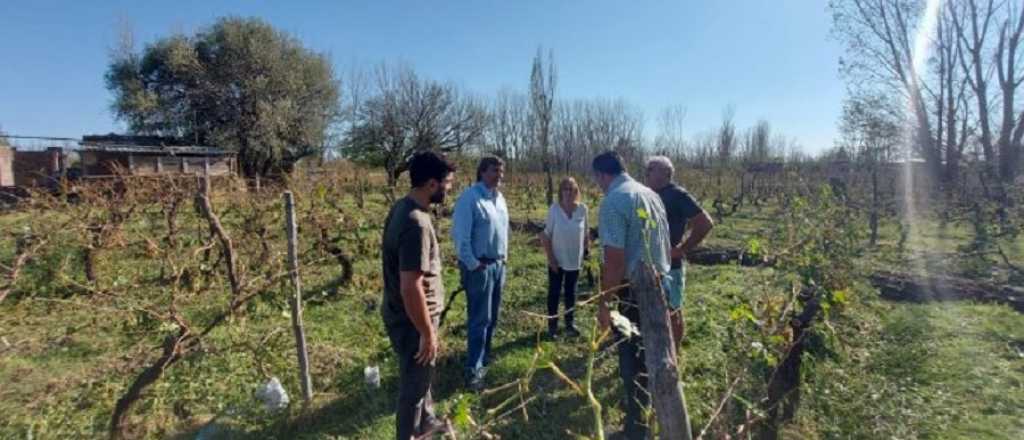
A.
pixel 552 328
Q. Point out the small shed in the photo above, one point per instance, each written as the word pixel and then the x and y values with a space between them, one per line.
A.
pixel 149 156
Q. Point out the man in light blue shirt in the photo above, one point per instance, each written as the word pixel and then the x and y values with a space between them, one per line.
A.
pixel 633 230
pixel 480 233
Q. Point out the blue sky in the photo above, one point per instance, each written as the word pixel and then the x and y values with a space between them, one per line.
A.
pixel 768 59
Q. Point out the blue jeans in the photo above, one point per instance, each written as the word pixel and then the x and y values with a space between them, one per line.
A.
pixel 483 300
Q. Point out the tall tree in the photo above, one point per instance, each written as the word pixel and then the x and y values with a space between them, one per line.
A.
pixel 726 137
pixel 990 35
pixel 509 129
pixel 757 145
pixel 957 63
pixel 880 54
pixel 239 84
pixel 670 140
pixel 542 111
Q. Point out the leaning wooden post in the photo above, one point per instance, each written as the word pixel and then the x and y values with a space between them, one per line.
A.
pixel 296 299
pixel 666 389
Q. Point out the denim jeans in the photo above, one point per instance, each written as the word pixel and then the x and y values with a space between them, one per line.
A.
pixel 483 301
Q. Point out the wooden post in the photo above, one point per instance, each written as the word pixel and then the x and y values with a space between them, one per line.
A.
pixel 667 396
pixel 296 299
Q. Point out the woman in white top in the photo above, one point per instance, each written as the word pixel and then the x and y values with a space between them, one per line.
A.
pixel 565 240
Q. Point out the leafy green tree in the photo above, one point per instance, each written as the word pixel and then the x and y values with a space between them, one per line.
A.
pixel 239 84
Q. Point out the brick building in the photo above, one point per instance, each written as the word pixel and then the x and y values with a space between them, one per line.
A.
pixel 37 168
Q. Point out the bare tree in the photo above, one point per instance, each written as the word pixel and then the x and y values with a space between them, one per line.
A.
pixel 407 114
pixel 871 126
pixel 961 93
pixel 880 54
pixel 567 134
pixel 542 101
pixel 509 126
pixel 670 140
pixel 704 148
pixel 586 127
pixel 757 145
pixel 975 27
pixel 951 100
pixel 726 137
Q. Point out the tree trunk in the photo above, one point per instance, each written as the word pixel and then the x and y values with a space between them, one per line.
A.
pixel 172 353
pixel 89 261
pixel 550 179
pixel 784 384
pixel 667 395
pixel 875 202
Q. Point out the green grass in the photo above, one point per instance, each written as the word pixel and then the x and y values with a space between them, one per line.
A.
pixel 938 371
pixel 950 370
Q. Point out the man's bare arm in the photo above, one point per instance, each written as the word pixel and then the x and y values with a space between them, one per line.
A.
pixel 700 225
pixel 612 274
pixel 415 301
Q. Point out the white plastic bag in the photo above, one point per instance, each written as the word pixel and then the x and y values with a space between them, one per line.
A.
pixel 625 327
pixel 273 395
pixel 372 375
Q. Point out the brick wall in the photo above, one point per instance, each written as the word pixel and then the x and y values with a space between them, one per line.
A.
pixel 32 168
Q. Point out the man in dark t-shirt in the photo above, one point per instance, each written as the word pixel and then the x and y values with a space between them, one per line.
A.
pixel 683 212
pixel 414 293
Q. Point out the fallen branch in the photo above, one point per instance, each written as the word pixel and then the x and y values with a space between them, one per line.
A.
pixel 907 287
pixel 718 256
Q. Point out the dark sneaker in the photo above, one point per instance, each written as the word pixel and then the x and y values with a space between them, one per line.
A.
pixel 434 427
pixel 475 381
pixel 571 331
pixel 475 384
pixel 552 333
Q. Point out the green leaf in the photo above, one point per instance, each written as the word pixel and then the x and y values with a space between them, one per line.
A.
pixel 740 312
pixel 754 246
pixel 462 417
pixel 840 296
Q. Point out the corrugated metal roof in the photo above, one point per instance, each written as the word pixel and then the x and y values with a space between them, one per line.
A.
pixel 179 150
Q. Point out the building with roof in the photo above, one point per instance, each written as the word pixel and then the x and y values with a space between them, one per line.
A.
pixel 107 155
